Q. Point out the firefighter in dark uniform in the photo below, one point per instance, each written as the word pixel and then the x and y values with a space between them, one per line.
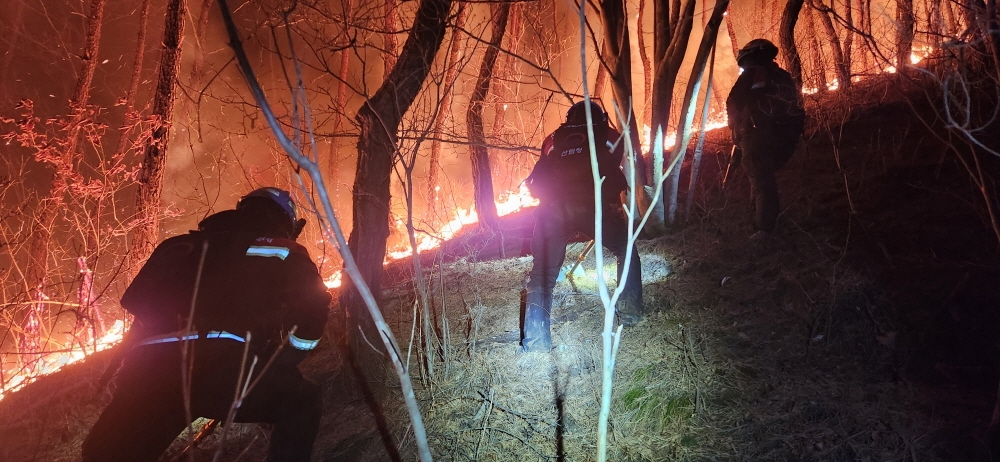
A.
pixel 563 183
pixel 259 306
pixel 766 118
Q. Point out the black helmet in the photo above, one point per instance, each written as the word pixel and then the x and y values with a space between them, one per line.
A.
pixel 756 51
pixel 278 196
pixel 577 113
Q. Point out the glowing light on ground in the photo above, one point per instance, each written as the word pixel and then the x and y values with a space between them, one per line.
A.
pixel 47 363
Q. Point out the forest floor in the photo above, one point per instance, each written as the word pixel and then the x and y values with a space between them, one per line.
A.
pixel 864 329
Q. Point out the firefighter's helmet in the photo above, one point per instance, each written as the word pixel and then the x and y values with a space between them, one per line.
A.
pixel 577 113
pixel 279 196
pixel 756 51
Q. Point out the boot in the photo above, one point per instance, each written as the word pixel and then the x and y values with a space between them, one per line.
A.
pixel 629 310
pixel 629 306
pixel 536 335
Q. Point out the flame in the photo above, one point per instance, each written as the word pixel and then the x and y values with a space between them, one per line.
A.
pixel 48 363
pixel 507 203
pixel 920 52
pixel 333 281
pixel 714 122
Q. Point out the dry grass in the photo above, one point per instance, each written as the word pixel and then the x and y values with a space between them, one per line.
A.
pixel 816 344
pixel 715 372
pixel 787 348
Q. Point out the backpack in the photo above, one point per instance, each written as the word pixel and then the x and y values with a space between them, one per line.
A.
pixel 160 295
pixel 781 107
pixel 564 173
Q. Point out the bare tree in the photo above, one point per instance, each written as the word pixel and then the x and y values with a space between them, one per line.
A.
pixel 789 17
pixel 379 119
pixel 690 100
pixel 451 72
pixel 841 62
pixel 816 52
pixel 41 234
pixel 389 37
pixel 647 66
pixel 131 116
pixel 147 198
pixel 905 28
pixel 482 177
pixel 618 60
pixel 671 34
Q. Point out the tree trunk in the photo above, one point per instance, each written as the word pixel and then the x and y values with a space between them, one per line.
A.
pixel 131 117
pixel 147 197
pixel 41 233
pixel 950 19
pixel 379 119
pixel 849 37
pixel 341 103
pixel 390 41
pixel 647 66
pixel 840 64
pixel 685 121
pixel 668 51
pixel 619 55
pixel 696 160
pixel 505 69
pixel 905 23
pixel 451 71
pixel 601 82
pixel 870 60
pixel 789 17
pixel 482 177
pixel 819 70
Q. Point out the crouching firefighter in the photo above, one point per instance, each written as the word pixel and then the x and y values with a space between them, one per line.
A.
pixel 766 118
pixel 563 183
pixel 236 302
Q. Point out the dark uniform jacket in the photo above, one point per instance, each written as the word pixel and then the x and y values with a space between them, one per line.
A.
pixel 246 283
pixel 564 175
pixel 765 102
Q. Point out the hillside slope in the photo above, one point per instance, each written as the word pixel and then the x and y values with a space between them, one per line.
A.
pixel 865 328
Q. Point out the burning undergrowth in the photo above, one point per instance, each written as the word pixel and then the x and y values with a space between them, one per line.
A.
pixel 863 329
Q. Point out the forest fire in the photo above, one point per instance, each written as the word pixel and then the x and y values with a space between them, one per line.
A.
pixel 16 377
pixel 123 124
pixel 507 203
pixel 47 363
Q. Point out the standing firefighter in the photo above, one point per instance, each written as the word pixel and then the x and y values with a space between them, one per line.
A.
pixel 256 296
pixel 563 183
pixel 766 118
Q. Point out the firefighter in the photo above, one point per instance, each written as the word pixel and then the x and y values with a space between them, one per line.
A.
pixel 766 118
pixel 259 306
pixel 563 183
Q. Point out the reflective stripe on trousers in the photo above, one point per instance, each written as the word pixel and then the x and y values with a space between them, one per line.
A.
pixel 191 336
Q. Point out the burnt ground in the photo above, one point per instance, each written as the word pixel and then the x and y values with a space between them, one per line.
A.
pixel 865 328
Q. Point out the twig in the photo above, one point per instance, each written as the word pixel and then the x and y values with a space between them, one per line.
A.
pixel 331 228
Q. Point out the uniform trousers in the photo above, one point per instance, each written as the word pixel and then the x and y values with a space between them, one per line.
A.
pixel 148 412
pixel 555 224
